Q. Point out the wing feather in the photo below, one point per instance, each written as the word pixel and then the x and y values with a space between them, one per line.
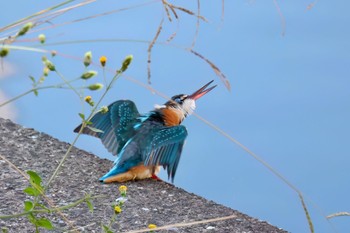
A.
pixel 117 125
pixel 165 148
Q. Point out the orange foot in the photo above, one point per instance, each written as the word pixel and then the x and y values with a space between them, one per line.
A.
pixel 155 177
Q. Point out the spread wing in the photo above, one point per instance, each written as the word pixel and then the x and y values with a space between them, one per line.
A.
pixel 117 125
pixel 165 148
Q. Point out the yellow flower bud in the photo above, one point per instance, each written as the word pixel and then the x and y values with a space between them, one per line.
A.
pixel 42 38
pixel 4 52
pixel 103 61
pixel 53 53
pixel 89 74
pixel 46 71
pixel 87 58
pixel 126 63
pixel 104 109
pixel 95 87
pixel 122 190
pixel 50 66
pixel 25 29
pixel 87 99
pixel 48 63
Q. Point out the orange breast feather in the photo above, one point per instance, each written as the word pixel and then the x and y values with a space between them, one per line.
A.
pixel 172 117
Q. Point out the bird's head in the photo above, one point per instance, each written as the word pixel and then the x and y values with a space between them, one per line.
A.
pixel 183 104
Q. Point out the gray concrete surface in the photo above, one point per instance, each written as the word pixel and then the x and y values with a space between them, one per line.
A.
pixel 149 201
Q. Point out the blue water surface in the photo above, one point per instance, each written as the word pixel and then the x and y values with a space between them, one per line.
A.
pixel 289 101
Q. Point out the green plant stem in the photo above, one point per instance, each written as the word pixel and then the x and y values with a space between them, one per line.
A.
pixel 65 207
pixel 26 93
pixel 19 96
pixel 338 214
pixel 104 76
pixel 34 15
pixel 81 129
pixel 68 83
pixel 308 217
pixel 25 48
pixel 112 220
pixel 65 156
pixel 60 85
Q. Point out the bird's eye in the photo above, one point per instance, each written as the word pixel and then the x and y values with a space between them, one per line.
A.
pixel 179 100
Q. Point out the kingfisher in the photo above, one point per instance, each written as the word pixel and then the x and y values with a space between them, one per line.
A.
pixel 144 142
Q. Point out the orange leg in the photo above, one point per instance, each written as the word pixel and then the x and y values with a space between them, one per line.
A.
pixel 155 177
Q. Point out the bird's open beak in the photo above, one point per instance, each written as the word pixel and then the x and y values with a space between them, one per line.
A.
pixel 202 91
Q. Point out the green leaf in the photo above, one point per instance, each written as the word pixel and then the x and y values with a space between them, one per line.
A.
pixel 106 229
pixel 95 129
pixel 4 230
pixel 35 181
pixel 34 177
pixel 82 116
pixel 45 223
pixel 31 191
pixel 28 205
pixel 36 93
pixel 32 78
pixel 90 206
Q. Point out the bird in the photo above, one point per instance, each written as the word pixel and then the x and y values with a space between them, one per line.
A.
pixel 143 142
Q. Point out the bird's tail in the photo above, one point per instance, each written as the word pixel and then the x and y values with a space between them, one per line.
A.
pixel 118 170
pixel 113 172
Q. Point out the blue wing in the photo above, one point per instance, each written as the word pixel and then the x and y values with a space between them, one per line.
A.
pixel 117 125
pixel 165 148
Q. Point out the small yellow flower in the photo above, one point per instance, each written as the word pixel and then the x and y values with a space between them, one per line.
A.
pixel 152 226
pixel 103 60
pixel 123 189
pixel 117 209
pixel 88 99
